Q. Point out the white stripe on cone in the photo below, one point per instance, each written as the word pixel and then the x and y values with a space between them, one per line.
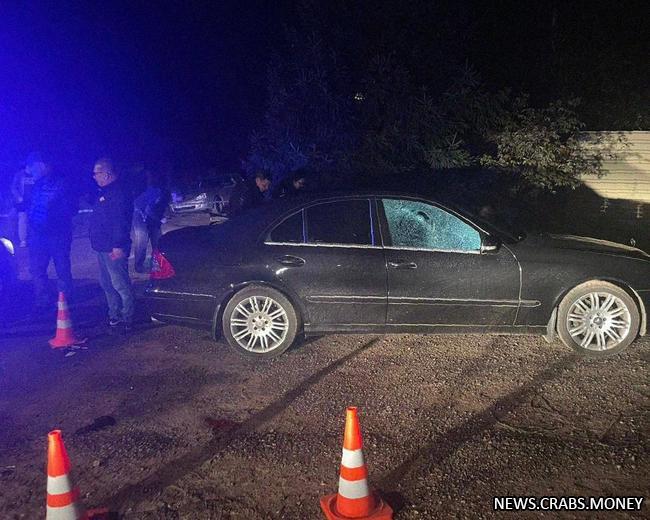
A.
pixel 70 512
pixel 59 485
pixel 63 324
pixel 352 458
pixel 61 306
pixel 353 488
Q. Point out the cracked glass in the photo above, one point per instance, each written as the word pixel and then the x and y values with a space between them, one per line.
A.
pixel 423 226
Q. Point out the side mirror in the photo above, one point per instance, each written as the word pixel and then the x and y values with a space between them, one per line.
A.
pixel 490 244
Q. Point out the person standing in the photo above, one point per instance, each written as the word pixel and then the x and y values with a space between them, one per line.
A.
pixel 49 233
pixel 21 188
pixel 149 209
pixel 110 229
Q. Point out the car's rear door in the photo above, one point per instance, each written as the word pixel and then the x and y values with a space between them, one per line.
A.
pixel 437 275
pixel 338 269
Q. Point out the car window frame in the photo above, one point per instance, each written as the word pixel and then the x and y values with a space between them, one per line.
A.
pixel 385 230
pixel 375 232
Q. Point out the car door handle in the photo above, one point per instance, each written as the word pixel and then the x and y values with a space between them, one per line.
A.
pixel 292 261
pixel 403 265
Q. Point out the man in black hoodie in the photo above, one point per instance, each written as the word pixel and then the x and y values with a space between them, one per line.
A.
pixel 50 232
pixel 110 237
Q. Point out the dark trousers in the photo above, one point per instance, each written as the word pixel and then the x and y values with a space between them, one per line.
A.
pixel 143 232
pixel 114 279
pixel 43 248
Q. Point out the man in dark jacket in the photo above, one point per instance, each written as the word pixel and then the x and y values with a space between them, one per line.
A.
pixel 292 185
pixel 149 209
pixel 248 195
pixel 110 238
pixel 49 235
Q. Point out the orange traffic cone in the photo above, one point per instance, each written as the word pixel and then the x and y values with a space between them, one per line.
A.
pixel 62 497
pixel 354 499
pixel 65 336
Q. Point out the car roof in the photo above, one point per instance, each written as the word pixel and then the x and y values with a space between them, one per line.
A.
pixel 269 212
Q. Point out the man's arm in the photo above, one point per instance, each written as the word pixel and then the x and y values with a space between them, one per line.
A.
pixel 121 218
pixel 16 186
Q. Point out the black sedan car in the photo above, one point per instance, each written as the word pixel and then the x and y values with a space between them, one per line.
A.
pixel 381 263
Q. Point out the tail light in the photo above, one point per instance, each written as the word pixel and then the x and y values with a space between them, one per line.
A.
pixel 161 268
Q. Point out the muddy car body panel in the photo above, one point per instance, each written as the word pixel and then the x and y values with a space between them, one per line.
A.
pixel 470 277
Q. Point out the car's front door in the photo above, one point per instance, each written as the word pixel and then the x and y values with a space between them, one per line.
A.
pixel 336 268
pixel 437 274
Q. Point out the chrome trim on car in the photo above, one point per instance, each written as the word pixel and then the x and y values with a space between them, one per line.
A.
pixel 409 300
pixel 347 246
pixel 341 299
pixel 156 290
pixel 393 248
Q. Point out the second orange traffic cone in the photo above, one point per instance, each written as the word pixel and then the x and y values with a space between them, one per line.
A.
pixel 65 336
pixel 62 497
pixel 354 499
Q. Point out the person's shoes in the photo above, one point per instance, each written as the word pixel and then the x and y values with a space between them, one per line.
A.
pixel 114 322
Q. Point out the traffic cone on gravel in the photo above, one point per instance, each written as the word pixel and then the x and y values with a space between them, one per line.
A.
pixel 354 499
pixel 65 336
pixel 62 497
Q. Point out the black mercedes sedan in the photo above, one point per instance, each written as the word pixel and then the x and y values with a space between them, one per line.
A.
pixel 381 263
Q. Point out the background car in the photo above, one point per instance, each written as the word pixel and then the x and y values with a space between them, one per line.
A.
pixel 376 263
pixel 205 196
pixel 7 267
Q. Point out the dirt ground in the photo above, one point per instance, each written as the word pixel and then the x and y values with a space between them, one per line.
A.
pixel 167 424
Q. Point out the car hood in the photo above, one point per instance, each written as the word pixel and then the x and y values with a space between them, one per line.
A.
pixel 578 243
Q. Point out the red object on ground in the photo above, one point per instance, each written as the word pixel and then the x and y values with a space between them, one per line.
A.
pixel 161 268
pixel 354 499
pixel 65 336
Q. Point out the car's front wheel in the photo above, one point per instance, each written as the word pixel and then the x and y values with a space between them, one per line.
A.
pixel 598 319
pixel 259 321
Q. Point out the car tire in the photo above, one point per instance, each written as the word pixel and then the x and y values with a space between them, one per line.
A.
pixel 598 319
pixel 259 322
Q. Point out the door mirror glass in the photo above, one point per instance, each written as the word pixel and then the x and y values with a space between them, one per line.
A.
pixel 490 244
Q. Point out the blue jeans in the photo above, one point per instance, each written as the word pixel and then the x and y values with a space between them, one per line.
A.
pixel 143 232
pixel 114 279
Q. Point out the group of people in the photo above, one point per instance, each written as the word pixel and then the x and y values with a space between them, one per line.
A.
pixel 45 205
pixel 260 190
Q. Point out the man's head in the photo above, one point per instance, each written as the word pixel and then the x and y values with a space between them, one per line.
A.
pixel 299 180
pixel 103 172
pixel 262 181
pixel 35 166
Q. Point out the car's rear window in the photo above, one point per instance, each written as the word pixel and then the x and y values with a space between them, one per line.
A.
pixel 341 222
pixel 289 230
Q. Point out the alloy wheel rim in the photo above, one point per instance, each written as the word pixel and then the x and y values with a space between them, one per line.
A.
pixel 598 321
pixel 259 324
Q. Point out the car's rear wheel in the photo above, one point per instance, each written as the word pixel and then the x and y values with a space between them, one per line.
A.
pixel 259 321
pixel 598 319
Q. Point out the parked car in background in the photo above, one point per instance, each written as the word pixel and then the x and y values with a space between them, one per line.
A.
pixel 385 262
pixel 209 195
pixel 7 267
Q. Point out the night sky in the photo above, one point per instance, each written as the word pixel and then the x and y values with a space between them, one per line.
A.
pixel 185 82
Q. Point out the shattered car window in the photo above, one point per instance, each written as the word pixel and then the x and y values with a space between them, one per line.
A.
pixel 423 226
